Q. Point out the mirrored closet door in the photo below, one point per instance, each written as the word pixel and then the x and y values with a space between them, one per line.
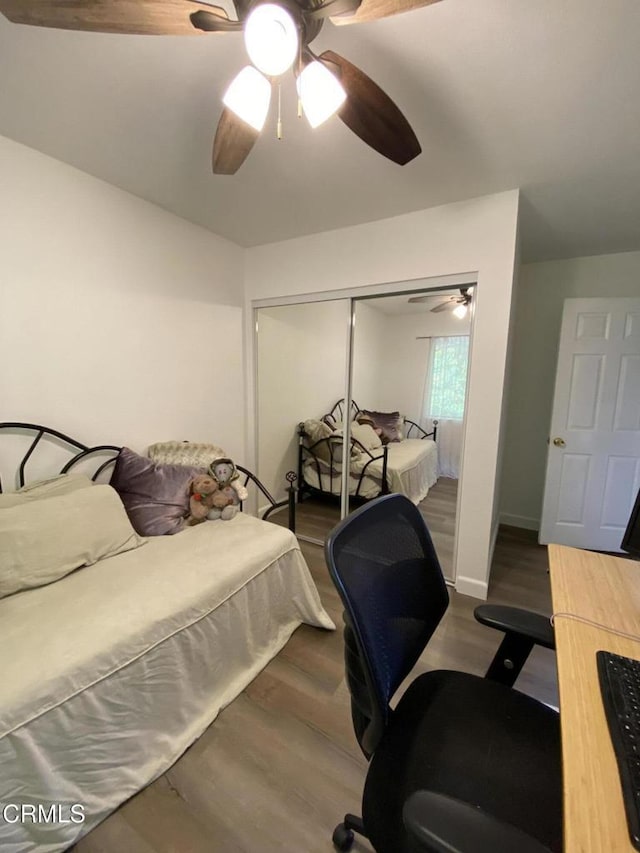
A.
pixel 401 359
pixel 409 376
pixel 301 370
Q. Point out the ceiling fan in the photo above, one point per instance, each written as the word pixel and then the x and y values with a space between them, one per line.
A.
pixel 277 37
pixel 457 304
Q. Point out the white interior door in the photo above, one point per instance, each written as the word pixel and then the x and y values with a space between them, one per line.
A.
pixel 593 466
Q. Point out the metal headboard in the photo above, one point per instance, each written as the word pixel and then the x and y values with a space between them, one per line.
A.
pixel 338 410
pixel 80 452
pixel 77 450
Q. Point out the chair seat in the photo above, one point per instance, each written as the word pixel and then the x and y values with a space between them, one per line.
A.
pixel 473 739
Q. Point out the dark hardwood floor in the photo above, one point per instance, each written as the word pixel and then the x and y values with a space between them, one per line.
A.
pixel 280 766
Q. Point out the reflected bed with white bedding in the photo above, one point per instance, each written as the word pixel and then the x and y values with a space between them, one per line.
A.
pixel 388 453
pixel 112 671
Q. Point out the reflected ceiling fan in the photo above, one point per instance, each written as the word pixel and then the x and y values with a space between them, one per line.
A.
pixel 458 304
pixel 277 37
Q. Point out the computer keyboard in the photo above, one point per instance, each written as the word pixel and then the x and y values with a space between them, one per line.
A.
pixel 620 689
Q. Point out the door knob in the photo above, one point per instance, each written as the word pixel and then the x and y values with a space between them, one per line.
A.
pixel 559 442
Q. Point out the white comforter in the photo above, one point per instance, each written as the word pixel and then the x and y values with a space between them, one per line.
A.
pixel 110 673
pixel 412 469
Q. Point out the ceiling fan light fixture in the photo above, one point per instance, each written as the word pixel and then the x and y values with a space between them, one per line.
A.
pixel 271 39
pixel 460 311
pixel 249 96
pixel 321 93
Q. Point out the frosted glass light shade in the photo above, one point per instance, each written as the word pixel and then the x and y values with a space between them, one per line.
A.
pixel 460 311
pixel 320 91
pixel 248 96
pixel 271 39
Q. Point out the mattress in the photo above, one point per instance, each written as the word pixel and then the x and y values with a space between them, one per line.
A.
pixel 412 469
pixel 109 674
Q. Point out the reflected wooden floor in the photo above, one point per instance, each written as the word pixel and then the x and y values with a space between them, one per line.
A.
pixel 316 516
pixel 280 766
pixel 439 511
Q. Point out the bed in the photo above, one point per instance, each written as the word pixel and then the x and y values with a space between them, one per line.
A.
pixel 110 672
pixel 407 462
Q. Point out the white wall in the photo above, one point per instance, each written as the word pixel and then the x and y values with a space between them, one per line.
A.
pixel 369 348
pixel 475 237
pixel 542 289
pixel 302 357
pixel 119 323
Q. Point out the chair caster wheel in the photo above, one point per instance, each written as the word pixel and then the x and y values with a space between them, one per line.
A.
pixel 342 837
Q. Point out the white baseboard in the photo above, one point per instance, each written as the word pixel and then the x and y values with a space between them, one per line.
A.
pixel 472 587
pixel 520 521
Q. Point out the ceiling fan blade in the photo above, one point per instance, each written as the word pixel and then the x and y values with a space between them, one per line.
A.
pixel 371 114
pixel 371 10
pixel 214 21
pixel 232 144
pixel 333 7
pixel 419 298
pixel 140 17
pixel 443 306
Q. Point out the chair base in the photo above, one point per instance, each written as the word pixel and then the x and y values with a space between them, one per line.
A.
pixel 343 833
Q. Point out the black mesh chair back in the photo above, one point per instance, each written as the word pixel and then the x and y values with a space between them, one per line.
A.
pixel 383 563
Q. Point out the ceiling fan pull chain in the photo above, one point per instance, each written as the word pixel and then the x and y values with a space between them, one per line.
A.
pixel 279 124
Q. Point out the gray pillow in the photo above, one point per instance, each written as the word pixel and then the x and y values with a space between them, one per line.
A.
pixel 391 424
pixel 155 496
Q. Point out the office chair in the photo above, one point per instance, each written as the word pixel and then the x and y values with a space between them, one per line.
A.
pixel 463 764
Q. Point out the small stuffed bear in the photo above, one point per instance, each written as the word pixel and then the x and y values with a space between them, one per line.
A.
pixel 230 492
pixel 203 492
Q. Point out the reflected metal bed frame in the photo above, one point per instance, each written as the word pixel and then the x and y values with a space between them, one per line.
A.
pixel 329 446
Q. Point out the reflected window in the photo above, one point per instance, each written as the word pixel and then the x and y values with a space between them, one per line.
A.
pixel 446 381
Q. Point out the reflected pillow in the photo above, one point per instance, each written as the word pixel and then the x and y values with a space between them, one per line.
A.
pixel 42 542
pixel 391 424
pixel 155 496
pixel 316 431
pixel 366 435
pixel 63 484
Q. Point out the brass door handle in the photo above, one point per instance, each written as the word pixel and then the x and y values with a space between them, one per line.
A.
pixel 559 442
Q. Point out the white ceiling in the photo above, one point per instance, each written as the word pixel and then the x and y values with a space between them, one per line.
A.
pixel 538 94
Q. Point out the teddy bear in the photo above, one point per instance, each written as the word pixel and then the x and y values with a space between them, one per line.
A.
pixel 203 490
pixel 230 492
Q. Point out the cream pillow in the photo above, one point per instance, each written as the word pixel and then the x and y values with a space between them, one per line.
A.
pixel 316 431
pixel 41 542
pixel 189 453
pixel 63 484
pixel 366 435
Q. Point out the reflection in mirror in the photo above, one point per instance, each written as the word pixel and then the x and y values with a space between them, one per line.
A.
pixel 409 376
pixel 301 355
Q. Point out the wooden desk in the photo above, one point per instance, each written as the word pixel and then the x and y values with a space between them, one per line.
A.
pixel 606 590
